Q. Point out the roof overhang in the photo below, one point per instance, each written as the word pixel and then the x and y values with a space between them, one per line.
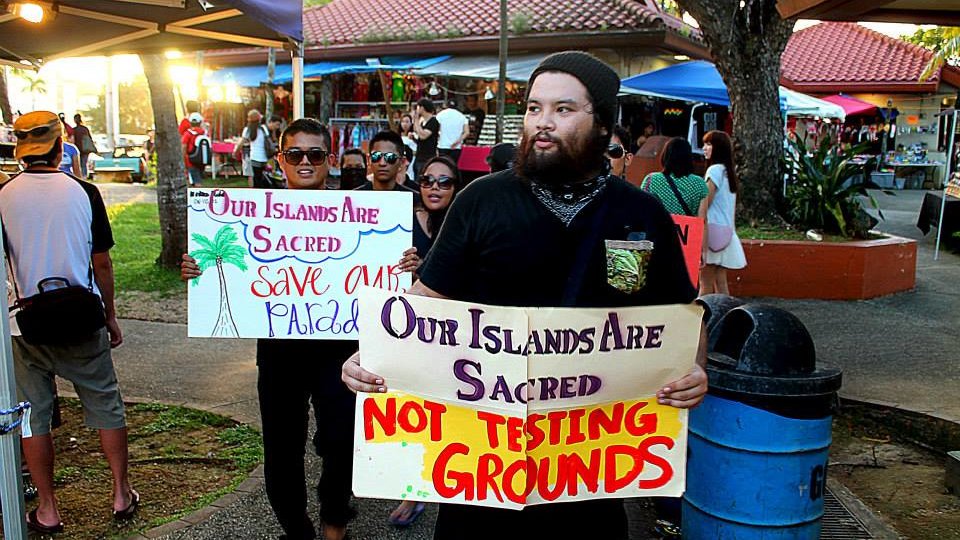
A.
pixel 664 41
pixel 943 12
pixel 94 27
pixel 866 87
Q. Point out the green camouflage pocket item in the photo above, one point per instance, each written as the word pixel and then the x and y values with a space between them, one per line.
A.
pixel 627 264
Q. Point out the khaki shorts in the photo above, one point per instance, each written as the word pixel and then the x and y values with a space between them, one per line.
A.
pixel 87 365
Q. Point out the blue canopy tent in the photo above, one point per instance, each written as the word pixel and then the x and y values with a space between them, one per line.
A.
pixel 253 76
pixel 700 82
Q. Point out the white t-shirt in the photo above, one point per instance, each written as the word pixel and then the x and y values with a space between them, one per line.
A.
pixel 258 148
pixel 53 223
pixel 452 123
pixel 724 204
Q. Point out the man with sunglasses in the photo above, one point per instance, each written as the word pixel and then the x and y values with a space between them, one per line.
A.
pixel 295 373
pixel 618 152
pixel 386 163
pixel 535 236
pixel 56 225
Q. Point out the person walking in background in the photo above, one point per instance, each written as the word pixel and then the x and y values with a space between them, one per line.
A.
pixel 722 250
pixel 427 128
pixel 188 142
pixel 70 162
pixel 501 156
pixel 57 226
pixel 409 139
pixel 681 192
pixel 84 143
pixel 192 106
pixel 454 128
pixel 257 138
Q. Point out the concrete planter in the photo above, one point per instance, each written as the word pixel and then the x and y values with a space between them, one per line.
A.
pixel 826 270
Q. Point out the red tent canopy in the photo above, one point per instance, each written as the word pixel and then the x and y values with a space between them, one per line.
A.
pixel 852 106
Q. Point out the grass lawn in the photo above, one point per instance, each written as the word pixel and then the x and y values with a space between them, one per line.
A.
pixel 136 231
pixel 764 233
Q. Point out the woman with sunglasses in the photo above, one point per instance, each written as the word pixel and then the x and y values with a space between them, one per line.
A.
pixel 439 184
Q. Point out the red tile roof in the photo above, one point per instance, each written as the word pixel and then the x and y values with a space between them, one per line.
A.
pixel 840 56
pixel 344 22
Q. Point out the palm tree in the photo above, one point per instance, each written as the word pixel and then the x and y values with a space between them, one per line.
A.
pixel 35 85
pixel 223 249
pixel 949 48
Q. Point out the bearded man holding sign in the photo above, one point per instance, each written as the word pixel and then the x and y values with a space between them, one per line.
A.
pixel 556 231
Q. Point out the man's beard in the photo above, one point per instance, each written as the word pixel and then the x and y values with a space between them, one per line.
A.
pixel 570 162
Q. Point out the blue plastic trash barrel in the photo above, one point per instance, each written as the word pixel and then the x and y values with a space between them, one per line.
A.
pixel 759 443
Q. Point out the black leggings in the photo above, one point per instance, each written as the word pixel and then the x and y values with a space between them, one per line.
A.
pixel 292 375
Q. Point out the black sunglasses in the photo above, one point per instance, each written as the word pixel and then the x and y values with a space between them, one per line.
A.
pixel 615 151
pixel 389 157
pixel 39 131
pixel 314 155
pixel 442 182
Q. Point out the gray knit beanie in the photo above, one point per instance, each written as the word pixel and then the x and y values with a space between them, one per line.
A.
pixel 601 80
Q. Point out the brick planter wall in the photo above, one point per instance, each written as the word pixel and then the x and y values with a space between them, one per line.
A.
pixel 826 270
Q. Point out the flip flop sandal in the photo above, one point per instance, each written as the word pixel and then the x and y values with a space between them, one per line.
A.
pixel 414 514
pixel 34 525
pixel 131 510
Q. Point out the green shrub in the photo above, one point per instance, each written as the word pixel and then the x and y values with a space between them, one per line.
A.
pixel 819 195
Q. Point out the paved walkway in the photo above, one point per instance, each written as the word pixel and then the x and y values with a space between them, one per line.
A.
pixel 899 349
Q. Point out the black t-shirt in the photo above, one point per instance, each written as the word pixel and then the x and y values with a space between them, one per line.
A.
pixel 427 148
pixel 499 245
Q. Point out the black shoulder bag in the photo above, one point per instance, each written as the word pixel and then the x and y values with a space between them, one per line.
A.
pixel 676 192
pixel 63 316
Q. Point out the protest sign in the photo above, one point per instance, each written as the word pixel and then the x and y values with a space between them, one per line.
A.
pixel 690 231
pixel 288 263
pixel 509 407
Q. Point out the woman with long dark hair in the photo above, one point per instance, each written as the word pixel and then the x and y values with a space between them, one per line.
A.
pixel 257 139
pixel 679 190
pixel 439 184
pixel 722 249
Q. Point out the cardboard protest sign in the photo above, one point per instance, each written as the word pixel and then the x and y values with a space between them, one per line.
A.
pixel 509 407
pixel 288 263
pixel 690 231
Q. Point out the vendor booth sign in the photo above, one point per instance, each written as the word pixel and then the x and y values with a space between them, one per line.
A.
pixel 509 407
pixel 288 263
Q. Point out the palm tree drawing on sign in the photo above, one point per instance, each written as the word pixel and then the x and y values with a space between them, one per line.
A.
pixel 223 249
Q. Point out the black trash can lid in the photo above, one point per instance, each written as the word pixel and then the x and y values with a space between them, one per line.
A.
pixel 715 307
pixel 765 350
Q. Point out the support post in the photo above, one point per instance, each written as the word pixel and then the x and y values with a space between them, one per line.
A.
pixel 502 79
pixel 946 178
pixel 11 479
pixel 271 73
pixel 297 64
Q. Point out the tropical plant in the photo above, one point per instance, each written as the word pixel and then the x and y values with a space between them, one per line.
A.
pixel 223 249
pixel 35 85
pixel 944 41
pixel 821 193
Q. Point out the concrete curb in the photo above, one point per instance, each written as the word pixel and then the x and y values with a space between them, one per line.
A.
pixel 248 486
pixel 928 429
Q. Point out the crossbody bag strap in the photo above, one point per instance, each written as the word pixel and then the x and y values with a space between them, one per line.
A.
pixel 579 269
pixel 13 275
pixel 676 192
